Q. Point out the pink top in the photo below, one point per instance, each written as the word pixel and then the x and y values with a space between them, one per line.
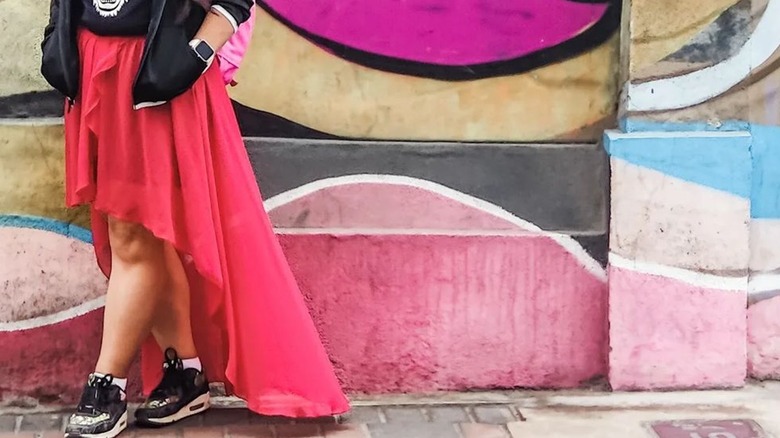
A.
pixel 232 53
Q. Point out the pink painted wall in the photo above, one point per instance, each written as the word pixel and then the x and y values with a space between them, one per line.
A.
pixel 401 313
pixel 763 347
pixel 466 297
pixel 424 313
pixel 418 287
pixel 666 333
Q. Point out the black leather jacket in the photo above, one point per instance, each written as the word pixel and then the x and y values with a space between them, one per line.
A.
pixel 168 67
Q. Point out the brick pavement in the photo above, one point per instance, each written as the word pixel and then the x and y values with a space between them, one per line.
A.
pixel 750 412
pixel 451 421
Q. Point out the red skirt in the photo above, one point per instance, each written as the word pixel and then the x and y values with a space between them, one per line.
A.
pixel 181 170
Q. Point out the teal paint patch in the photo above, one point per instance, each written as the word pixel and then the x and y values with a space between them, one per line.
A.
pixel 46 224
pixel 765 196
pixel 631 125
pixel 720 161
pixel 765 159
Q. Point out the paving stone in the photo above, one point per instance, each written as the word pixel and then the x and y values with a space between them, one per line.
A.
pixel 516 430
pixel 404 415
pixel 50 434
pixel 363 415
pixel 346 431
pixel 448 414
pixel 191 422
pixel 203 432
pixel 493 414
pixel 264 419
pixel 478 430
pixel 322 421
pixel 225 417
pixel 708 428
pixel 413 430
pixel 41 422
pixel 136 432
pixel 8 423
pixel 250 431
pixel 303 430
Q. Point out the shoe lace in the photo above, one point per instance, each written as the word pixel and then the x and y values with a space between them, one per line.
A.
pixel 95 394
pixel 172 378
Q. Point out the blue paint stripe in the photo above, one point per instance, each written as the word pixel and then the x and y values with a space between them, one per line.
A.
pixel 46 224
pixel 765 196
pixel 638 125
pixel 720 162
pixel 713 171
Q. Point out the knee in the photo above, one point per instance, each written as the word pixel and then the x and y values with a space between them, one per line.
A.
pixel 131 243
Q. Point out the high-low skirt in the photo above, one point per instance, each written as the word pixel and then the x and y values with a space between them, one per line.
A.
pixel 182 171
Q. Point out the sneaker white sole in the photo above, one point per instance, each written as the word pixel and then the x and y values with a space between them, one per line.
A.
pixel 120 426
pixel 195 407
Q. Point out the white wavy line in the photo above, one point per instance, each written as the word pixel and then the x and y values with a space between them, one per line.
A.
pixel 754 284
pixel 697 87
pixel 757 284
pixel 571 245
pixel 693 278
pixel 54 318
pixel 760 283
pixel 568 243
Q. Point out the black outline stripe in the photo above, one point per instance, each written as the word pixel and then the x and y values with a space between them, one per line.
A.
pixel 258 123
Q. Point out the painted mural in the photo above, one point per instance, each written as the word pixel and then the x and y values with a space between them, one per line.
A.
pixel 478 71
pixel 442 196
pixel 697 162
pixel 438 39
pixel 437 202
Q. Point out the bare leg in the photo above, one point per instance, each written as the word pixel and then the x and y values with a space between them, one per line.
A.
pixel 138 279
pixel 172 321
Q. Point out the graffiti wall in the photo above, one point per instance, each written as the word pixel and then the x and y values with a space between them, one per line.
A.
pixel 438 187
pixel 695 197
pixel 476 71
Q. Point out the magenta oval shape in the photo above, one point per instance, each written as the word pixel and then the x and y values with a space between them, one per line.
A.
pixel 443 32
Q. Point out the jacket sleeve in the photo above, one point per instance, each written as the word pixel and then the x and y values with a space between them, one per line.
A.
pixel 236 11
pixel 54 9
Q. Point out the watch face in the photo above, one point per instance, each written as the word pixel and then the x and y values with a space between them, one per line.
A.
pixel 204 51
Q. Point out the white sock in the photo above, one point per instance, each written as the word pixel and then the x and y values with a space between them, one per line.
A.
pixel 193 363
pixel 121 383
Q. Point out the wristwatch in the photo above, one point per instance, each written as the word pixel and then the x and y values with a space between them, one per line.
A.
pixel 204 51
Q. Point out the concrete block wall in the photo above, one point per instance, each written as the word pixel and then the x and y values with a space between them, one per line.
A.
pixel 445 200
pixel 446 218
pixel 693 269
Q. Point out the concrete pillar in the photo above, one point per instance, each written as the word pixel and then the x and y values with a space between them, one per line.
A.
pixel 683 172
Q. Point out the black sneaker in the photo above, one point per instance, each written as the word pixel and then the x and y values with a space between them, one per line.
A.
pixel 181 394
pixel 102 411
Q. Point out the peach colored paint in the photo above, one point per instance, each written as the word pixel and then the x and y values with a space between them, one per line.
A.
pixel 45 273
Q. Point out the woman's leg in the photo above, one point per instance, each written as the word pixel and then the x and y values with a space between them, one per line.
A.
pixel 138 279
pixel 182 372
pixel 171 327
